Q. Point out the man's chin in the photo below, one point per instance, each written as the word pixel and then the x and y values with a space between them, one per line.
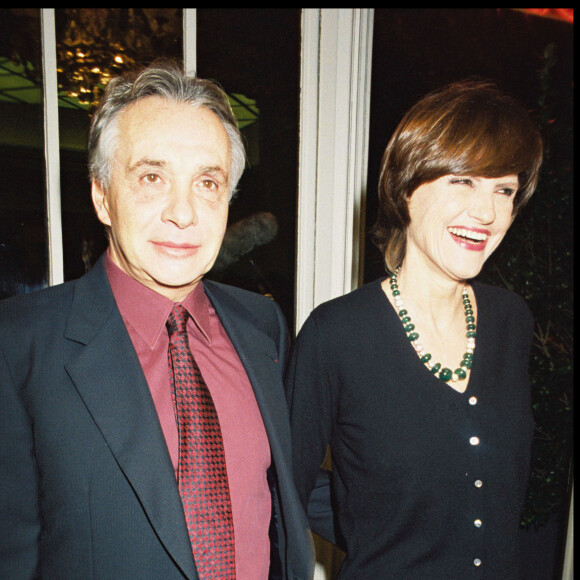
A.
pixel 173 292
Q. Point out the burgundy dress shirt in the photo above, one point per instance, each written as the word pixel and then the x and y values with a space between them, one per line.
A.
pixel 246 445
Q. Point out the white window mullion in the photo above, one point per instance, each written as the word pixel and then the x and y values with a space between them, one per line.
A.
pixel 52 148
pixel 361 60
pixel 335 102
pixel 307 165
pixel 190 39
pixel 568 569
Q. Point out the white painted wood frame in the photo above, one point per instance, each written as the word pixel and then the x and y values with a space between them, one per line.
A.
pixel 334 119
pixel 51 147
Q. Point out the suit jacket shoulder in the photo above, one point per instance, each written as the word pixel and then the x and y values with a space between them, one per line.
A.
pixel 75 406
pixel 251 308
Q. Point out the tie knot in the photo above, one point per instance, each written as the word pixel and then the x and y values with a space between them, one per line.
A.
pixel 177 320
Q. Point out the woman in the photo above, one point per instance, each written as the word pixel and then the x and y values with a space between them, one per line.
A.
pixel 419 382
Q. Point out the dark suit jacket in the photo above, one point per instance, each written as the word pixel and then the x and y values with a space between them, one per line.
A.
pixel 87 489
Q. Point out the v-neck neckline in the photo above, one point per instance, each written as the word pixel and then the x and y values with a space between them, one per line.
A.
pixel 468 391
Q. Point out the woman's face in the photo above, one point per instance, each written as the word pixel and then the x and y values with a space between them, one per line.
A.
pixel 457 221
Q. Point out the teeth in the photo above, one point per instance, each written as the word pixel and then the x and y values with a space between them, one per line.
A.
pixel 476 236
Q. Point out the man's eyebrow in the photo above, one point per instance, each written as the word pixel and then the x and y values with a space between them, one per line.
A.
pixel 206 169
pixel 147 162
pixel 214 169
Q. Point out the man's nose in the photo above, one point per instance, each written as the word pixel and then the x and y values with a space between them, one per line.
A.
pixel 181 207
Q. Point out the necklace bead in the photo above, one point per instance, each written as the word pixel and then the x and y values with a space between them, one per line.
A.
pixel 445 373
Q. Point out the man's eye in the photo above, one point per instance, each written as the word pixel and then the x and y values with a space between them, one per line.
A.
pixel 152 178
pixel 209 184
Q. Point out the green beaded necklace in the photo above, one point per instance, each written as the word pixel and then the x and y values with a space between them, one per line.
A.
pixel 445 374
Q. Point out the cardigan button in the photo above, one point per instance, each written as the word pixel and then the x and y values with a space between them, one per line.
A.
pixel 473 400
pixel 477 562
pixel 474 440
pixel 478 483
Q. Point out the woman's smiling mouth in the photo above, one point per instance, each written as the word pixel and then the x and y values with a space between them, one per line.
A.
pixel 468 238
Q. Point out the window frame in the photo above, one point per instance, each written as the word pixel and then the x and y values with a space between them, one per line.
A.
pixel 333 149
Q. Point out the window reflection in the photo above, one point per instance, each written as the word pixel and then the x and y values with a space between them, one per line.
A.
pixel 256 53
pixel 253 54
pixel 94 44
pixel 23 239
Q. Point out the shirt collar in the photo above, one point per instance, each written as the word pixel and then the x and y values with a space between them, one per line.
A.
pixel 147 311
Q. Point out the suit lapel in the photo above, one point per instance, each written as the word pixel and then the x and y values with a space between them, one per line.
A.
pixel 109 379
pixel 260 358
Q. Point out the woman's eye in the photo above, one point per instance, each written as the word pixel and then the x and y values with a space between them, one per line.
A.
pixel 462 181
pixel 508 191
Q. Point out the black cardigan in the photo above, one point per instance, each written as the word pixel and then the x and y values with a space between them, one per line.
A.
pixel 428 483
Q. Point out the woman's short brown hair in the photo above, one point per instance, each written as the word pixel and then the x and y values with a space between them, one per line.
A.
pixel 466 128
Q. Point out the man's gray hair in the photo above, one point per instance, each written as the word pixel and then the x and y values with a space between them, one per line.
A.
pixel 166 80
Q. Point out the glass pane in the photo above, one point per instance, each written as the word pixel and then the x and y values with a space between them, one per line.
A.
pixel 23 238
pixel 255 56
pixel 94 44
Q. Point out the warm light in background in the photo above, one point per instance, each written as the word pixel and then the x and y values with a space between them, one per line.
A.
pixel 566 14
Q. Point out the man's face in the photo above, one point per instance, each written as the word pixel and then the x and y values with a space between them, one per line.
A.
pixel 167 204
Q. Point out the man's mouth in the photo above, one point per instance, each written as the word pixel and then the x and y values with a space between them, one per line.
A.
pixel 176 249
pixel 177 245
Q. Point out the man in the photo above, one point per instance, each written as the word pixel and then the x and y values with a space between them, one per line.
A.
pixel 102 467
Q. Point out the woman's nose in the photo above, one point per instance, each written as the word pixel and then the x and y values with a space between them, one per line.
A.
pixel 483 207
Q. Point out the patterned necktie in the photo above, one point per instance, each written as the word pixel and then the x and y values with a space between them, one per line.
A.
pixel 203 478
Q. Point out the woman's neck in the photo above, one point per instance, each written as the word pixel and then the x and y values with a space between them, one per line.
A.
pixel 430 290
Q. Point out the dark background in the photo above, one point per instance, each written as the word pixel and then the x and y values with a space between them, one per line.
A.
pixel 531 57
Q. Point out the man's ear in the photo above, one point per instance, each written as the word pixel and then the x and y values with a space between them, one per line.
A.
pixel 100 202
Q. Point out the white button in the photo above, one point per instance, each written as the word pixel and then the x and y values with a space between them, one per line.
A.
pixel 477 523
pixel 473 400
pixel 478 483
pixel 474 440
pixel 477 562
